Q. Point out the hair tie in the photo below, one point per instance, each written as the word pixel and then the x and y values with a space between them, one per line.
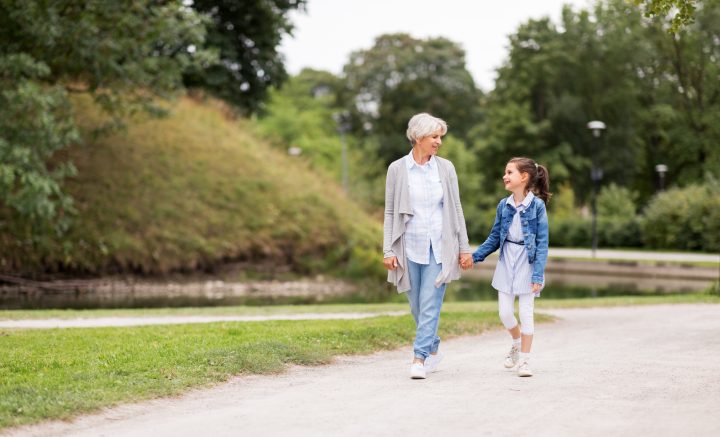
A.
pixel 536 165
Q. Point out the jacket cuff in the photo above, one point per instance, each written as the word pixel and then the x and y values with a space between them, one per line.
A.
pixel 476 257
pixel 388 254
pixel 538 280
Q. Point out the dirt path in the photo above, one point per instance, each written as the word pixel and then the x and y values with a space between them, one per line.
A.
pixel 650 370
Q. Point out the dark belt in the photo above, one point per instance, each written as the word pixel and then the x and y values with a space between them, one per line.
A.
pixel 519 243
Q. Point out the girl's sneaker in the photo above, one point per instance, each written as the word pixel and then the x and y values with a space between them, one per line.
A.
pixel 512 357
pixel 524 369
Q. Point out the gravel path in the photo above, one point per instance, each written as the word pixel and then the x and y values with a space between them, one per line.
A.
pixel 99 322
pixel 624 371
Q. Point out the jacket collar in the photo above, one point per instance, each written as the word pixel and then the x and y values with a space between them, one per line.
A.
pixel 525 203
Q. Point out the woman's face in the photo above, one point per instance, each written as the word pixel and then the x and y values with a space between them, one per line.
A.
pixel 430 144
pixel 513 179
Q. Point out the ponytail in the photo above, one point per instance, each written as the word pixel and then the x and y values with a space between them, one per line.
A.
pixel 541 185
pixel 539 182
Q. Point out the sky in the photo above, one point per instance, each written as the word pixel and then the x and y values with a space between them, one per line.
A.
pixel 330 30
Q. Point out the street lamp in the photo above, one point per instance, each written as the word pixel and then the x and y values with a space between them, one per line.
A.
pixel 342 119
pixel 596 174
pixel 661 169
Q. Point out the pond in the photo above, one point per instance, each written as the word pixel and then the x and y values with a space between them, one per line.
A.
pixel 474 287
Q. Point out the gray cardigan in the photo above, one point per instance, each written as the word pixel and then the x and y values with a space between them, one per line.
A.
pixel 398 212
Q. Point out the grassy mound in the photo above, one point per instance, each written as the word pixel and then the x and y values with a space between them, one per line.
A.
pixel 191 191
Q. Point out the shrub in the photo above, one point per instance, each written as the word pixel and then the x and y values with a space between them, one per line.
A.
pixel 683 218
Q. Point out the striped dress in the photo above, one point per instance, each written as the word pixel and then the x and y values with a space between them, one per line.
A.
pixel 513 272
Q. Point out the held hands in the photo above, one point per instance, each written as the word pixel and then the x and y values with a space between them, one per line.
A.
pixel 536 288
pixel 466 261
pixel 390 262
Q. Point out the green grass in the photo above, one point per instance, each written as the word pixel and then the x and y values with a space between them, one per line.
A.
pixel 59 373
pixel 189 192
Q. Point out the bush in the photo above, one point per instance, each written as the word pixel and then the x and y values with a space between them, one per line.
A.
pixel 570 232
pixel 612 232
pixel 616 202
pixel 683 218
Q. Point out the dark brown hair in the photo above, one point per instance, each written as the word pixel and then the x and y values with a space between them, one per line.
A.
pixel 539 182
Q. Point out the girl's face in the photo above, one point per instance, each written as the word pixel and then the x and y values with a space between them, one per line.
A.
pixel 513 179
pixel 430 145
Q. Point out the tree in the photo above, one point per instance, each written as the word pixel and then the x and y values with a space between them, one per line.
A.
pixel 400 76
pixel 683 10
pixel 125 53
pixel 246 34
pixel 304 113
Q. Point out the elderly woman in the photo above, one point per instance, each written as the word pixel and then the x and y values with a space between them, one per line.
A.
pixel 425 239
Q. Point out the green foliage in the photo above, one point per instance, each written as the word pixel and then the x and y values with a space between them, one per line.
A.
pixel 124 53
pixel 35 122
pixel 612 232
pixel 474 199
pixel 683 9
pixel 304 114
pixel 684 218
pixel 570 232
pixel 301 115
pixel 616 202
pixel 563 203
pixel 656 93
pixel 400 76
pixel 191 191
pixel 246 34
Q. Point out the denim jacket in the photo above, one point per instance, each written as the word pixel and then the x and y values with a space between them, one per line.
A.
pixel 534 223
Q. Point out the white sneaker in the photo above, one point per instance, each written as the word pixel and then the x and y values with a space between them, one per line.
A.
pixel 417 371
pixel 524 369
pixel 432 361
pixel 512 357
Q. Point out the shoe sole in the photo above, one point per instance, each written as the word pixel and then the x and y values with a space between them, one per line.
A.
pixel 417 377
pixel 524 375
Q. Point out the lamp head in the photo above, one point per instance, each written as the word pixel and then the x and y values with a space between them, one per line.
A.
pixel 596 127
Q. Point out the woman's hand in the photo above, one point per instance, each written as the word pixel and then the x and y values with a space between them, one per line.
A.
pixel 390 262
pixel 466 261
pixel 536 288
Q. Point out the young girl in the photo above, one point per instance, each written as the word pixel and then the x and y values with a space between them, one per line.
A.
pixel 520 232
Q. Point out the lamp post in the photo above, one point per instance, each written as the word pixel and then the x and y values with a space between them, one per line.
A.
pixel 661 169
pixel 342 119
pixel 596 174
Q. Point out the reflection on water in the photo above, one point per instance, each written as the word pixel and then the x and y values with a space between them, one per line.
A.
pixel 476 288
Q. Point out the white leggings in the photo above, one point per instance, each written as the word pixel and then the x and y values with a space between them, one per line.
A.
pixel 506 305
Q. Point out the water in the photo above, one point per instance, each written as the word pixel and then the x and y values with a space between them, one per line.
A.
pixel 474 287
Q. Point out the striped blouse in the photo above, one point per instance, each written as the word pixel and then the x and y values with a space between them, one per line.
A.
pixel 426 198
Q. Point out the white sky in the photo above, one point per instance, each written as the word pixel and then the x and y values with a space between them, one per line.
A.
pixel 331 29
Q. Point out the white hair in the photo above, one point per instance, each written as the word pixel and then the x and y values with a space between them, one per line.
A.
pixel 423 125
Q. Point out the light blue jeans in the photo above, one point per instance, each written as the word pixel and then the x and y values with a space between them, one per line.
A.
pixel 425 304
